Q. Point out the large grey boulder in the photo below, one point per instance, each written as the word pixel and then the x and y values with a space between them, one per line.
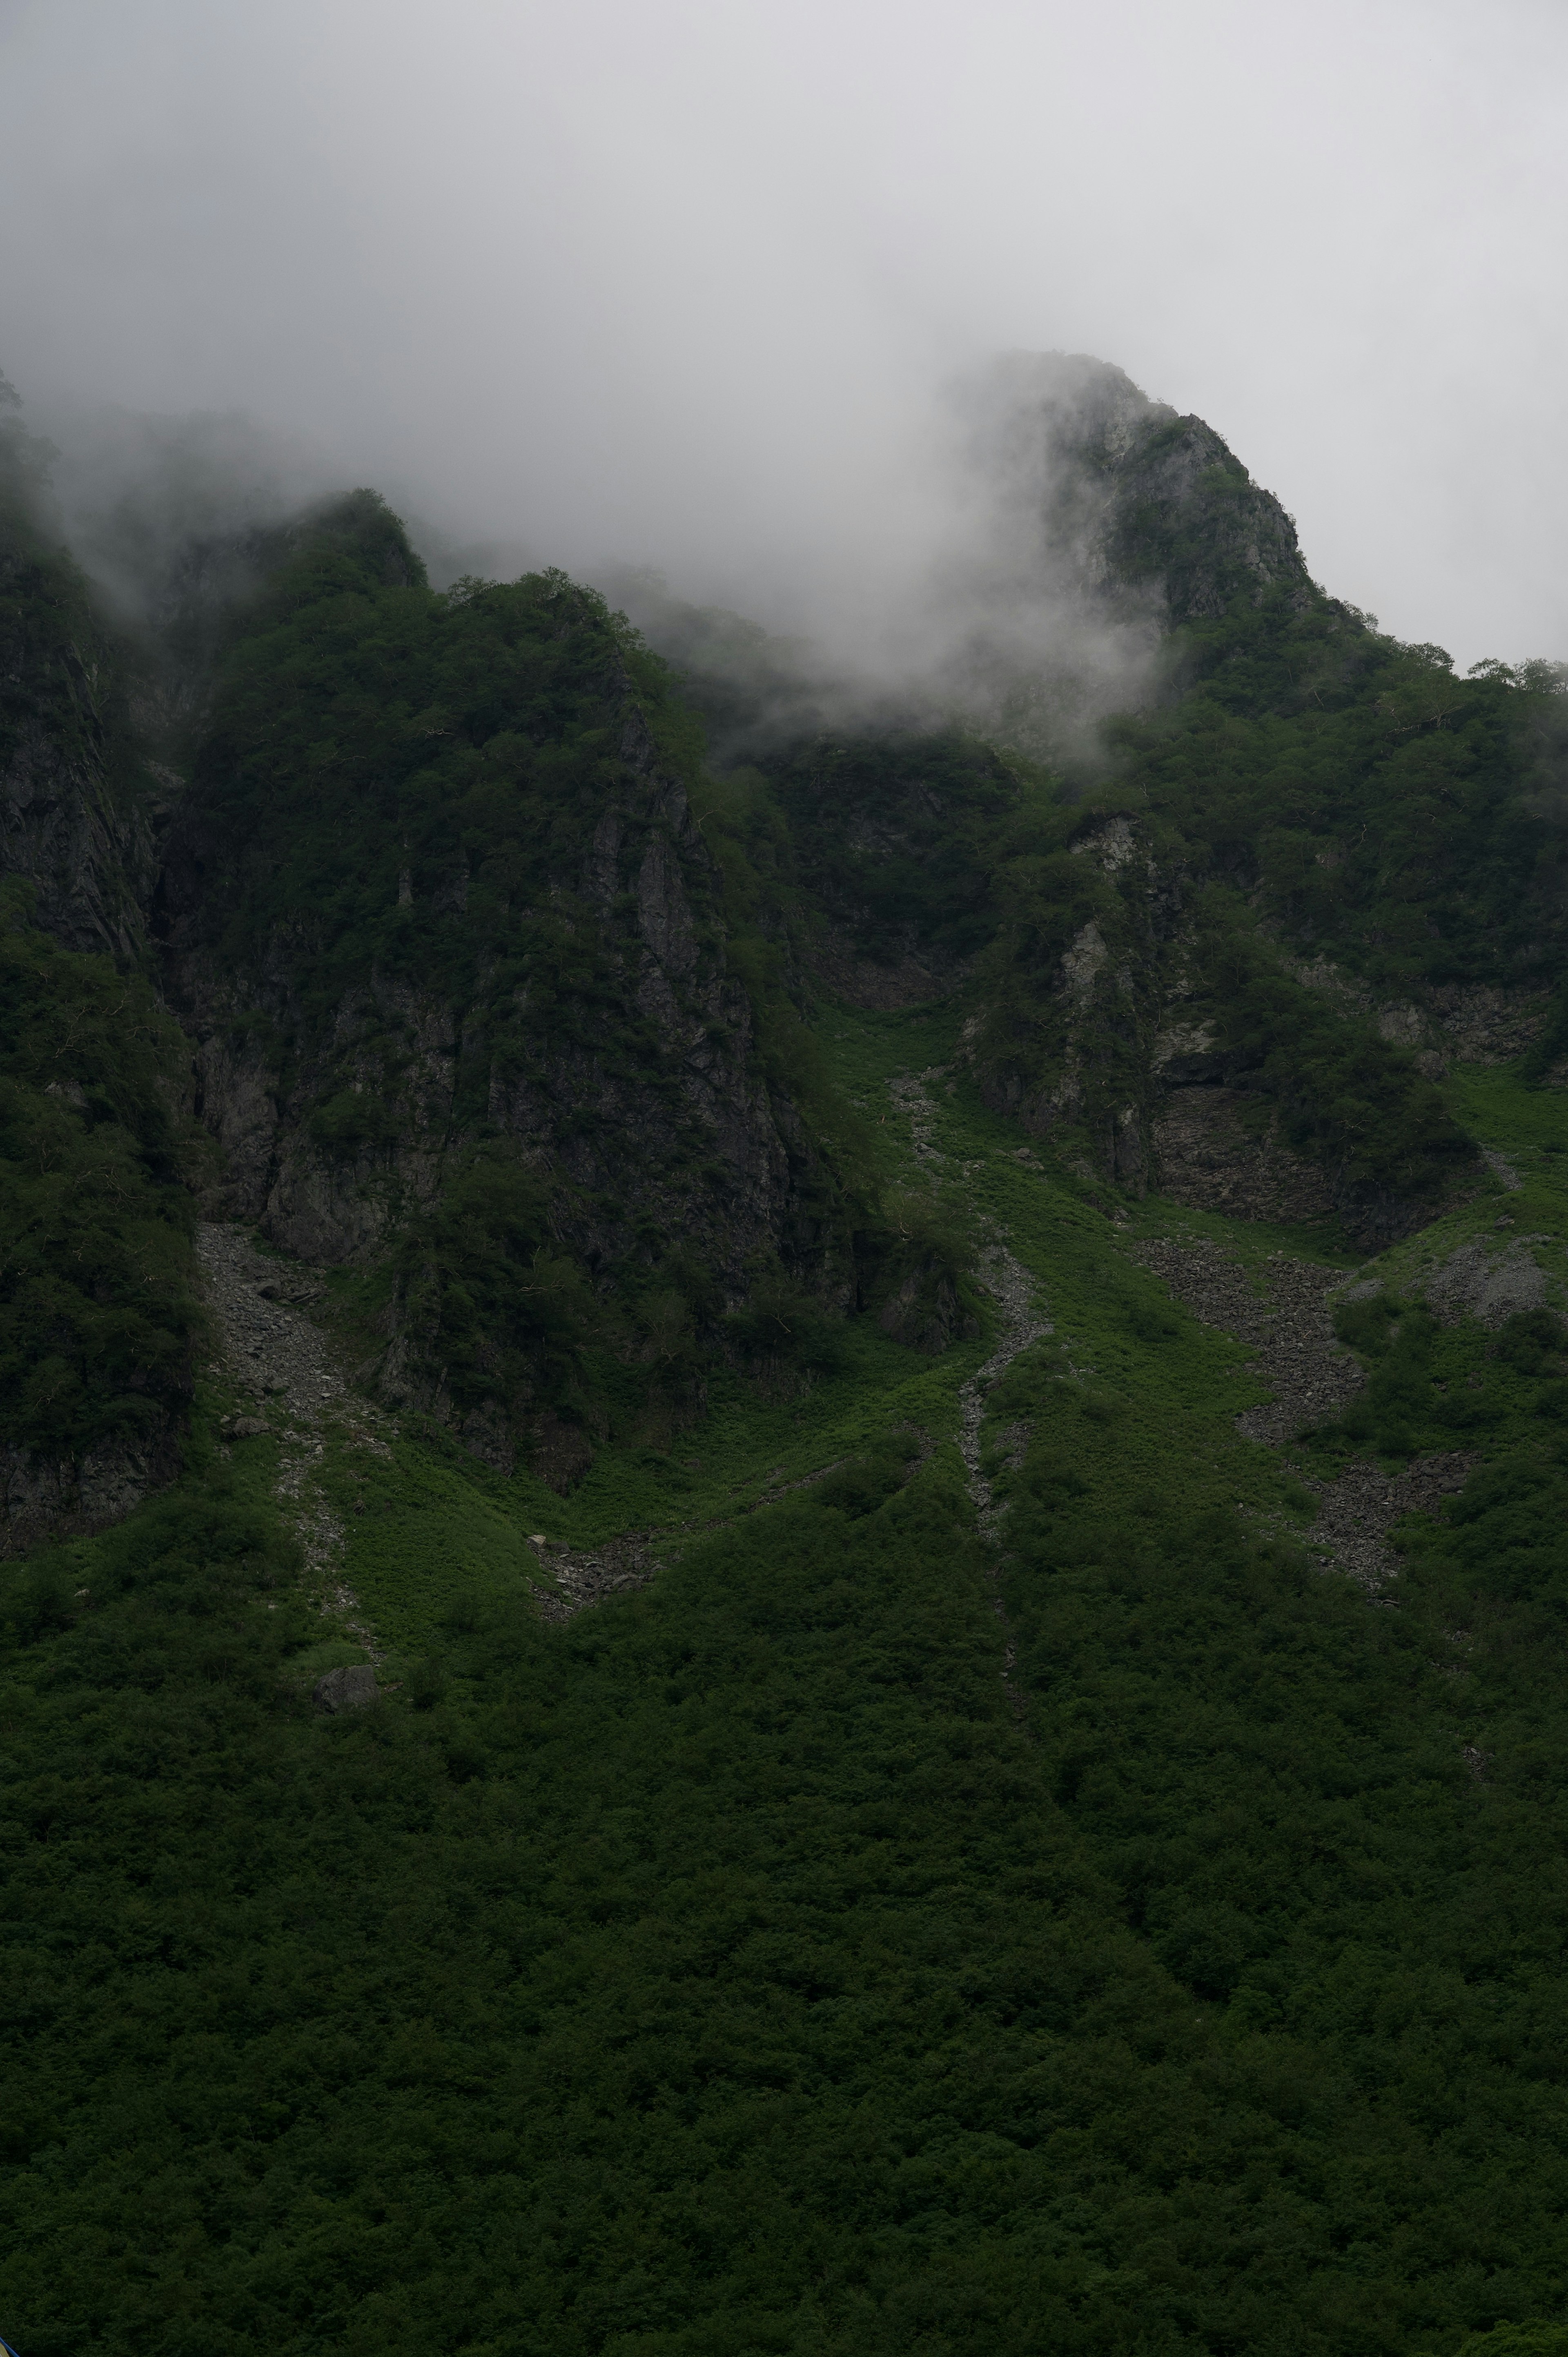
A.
pixel 350 1688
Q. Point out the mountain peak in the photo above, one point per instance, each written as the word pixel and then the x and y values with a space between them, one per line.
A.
pixel 1122 495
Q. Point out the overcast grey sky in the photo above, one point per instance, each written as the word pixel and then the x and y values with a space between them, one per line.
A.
pixel 674 280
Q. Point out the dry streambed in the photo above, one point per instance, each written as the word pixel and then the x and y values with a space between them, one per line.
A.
pixel 1024 1322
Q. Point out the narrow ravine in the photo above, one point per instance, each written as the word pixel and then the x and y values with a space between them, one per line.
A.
pixel 1024 1322
pixel 1012 1288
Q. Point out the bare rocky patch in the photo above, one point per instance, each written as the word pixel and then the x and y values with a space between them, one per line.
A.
pixel 1289 1325
pixel 588 1576
pixel 1287 1316
pixel 1215 1160
pixel 1488 1279
pixel 1023 1324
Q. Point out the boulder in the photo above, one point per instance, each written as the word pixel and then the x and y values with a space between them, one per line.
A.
pixel 350 1688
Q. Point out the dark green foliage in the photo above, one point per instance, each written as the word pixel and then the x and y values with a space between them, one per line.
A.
pixel 98 1305
pixel 488 1300
pixel 895 833
pixel 1507 1537
pixel 1431 1388
pixel 396 795
pixel 1533 1342
pixel 1346 1097
pixel 1550 1045
pixel 1382 809
pixel 76 788
pixel 1536 2339
pixel 921 1267
pixel 781 1323
pixel 731 1967
pixel 858 1940
pixel 864 1483
pixel 398 790
pixel 1274 1778
pixel 1203 533
pixel 728 1970
pixel 365 728
pixel 1366 1324
pixel 1359 1105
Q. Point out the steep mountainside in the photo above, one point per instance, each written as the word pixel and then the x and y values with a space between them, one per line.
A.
pixel 454 952
pixel 99 1313
pixel 75 795
pixel 784 1481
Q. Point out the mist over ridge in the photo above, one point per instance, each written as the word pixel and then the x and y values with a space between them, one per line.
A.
pixel 657 289
pixel 1017 603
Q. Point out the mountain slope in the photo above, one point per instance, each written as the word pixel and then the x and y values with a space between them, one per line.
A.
pixel 930 1712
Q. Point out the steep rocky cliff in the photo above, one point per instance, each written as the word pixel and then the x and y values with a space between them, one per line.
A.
pixel 98 1300
pixel 77 799
pixel 1136 1012
pixel 1230 954
pixel 450 930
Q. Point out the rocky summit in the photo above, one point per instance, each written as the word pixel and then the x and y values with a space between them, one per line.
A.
pixel 783 1472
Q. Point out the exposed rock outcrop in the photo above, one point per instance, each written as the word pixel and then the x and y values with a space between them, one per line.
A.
pixel 74 811
pixel 352 1687
pixel 334 1130
pixel 44 1498
pixel 1195 1061
pixel 1489 1281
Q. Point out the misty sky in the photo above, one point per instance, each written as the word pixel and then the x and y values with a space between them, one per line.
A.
pixel 674 281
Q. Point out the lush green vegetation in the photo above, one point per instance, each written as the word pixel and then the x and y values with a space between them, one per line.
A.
pixel 897 833
pixel 1308 791
pixel 732 1968
pixel 365 728
pixel 1404 820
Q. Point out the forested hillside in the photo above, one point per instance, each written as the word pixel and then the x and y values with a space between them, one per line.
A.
pixel 785 1480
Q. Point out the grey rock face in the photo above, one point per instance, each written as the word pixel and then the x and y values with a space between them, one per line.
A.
pixel 70 1497
pixel 1183 509
pixel 350 1688
pixel 658 1142
pixel 1491 1286
pixel 67 822
pixel 623 1079
pixel 1126 1046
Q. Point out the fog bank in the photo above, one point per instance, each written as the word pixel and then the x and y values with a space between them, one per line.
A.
pixel 681 286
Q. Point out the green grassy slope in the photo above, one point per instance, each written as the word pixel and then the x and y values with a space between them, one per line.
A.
pixel 731 1967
